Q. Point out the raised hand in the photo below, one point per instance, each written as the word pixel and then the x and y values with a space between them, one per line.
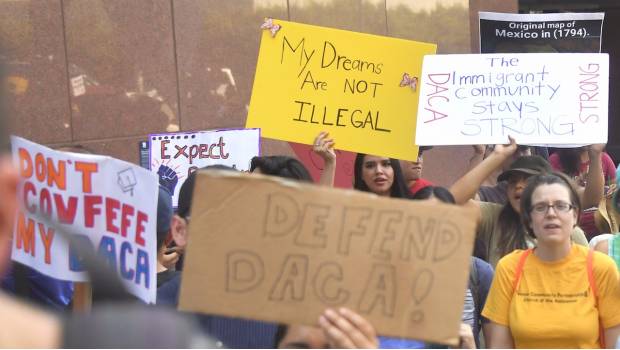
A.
pixel 344 329
pixel 324 147
pixel 167 178
pixel 506 150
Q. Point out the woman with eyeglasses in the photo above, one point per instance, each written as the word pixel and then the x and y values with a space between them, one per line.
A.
pixel 556 294
pixel 500 230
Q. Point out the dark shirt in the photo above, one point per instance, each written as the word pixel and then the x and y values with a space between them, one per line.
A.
pixel 234 333
pixel 43 290
pixel 494 194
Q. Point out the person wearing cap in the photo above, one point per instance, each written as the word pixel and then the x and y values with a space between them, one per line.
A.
pixel 492 190
pixel 379 175
pixel 500 230
pixel 168 280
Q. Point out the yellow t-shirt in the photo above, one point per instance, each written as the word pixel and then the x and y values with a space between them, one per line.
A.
pixel 554 306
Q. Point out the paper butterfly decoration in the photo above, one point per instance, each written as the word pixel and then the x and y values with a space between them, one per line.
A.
pixel 408 80
pixel 272 27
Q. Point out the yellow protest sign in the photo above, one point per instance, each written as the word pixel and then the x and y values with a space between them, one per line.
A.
pixel 361 88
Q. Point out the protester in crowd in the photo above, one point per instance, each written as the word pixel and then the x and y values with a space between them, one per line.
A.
pixel 412 172
pixel 168 279
pixel 379 175
pixel 537 298
pixel 230 332
pixel 575 162
pixel 492 190
pixel 500 230
pixel 610 243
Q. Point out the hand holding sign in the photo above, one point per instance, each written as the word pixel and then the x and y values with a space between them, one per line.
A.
pixel 345 329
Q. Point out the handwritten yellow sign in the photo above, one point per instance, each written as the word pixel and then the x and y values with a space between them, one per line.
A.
pixel 361 88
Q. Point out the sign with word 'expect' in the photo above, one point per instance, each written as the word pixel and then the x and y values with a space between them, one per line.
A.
pixel 362 89
pixel 553 99
pixel 283 251
pixel 108 203
pixel 173 156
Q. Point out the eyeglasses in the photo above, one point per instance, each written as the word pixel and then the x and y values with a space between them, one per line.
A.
pixel 559 207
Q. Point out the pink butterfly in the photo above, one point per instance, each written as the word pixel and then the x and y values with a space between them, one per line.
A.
pixel 408 80
pixel 272 27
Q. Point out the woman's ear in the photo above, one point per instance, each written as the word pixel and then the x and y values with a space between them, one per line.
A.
pixel 178 228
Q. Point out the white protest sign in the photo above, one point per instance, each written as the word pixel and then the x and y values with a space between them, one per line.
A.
pixel 108 202
pixel 553 99
pixel 174 156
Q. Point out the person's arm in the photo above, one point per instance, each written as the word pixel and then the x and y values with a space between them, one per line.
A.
pixel 466 337
pixel 324 148
pixel 611 336
pixel 466 187
pixel 477 158
pixel 499 337
pixel 595 181
pixel 345 329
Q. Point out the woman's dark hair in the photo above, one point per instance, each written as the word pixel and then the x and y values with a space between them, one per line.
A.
pixel 512 233
pixel 441 193
pixel 546 179
pixel 570 160
pixel 281 166
pixel 399 186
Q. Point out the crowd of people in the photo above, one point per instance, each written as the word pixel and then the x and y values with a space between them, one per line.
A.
pixel 543 272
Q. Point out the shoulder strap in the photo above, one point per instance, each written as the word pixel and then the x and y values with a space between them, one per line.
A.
pixel 519 269
pixel 592 281
pixel 474 286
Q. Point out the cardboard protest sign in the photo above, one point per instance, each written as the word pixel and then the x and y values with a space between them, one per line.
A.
pixel 173 156
pixel 553 99
pixel 344 165
pixel 110 203
pixel 361 88
pixel 283 251
pixel 541 32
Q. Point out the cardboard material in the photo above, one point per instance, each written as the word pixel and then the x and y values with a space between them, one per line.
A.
pixel 311 79
pixel 537 98
pixel 282 251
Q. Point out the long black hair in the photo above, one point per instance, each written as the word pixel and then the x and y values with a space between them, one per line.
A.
pixel 512 233
pixel 282 166
pixel 399 186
